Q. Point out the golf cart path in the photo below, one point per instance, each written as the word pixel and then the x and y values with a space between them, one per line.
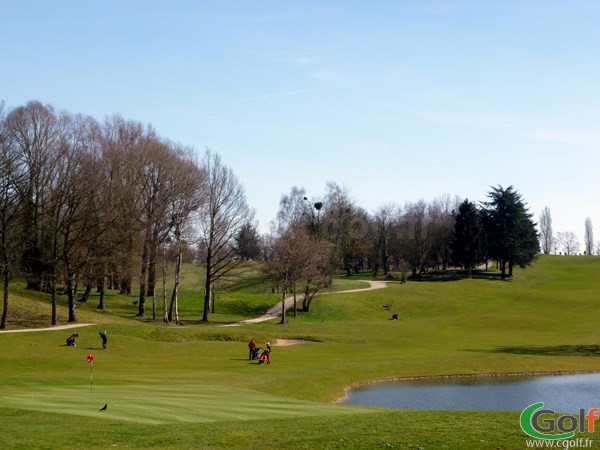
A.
pixel 271 313
pixel 57 327
pixel 275 310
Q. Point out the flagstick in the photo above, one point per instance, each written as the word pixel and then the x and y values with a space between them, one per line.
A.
pixel 91 375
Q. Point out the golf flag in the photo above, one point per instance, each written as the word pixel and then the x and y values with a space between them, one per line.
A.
pixel 90 359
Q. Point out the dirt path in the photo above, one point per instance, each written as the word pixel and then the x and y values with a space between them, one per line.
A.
pixel 275 310
pixel 58 327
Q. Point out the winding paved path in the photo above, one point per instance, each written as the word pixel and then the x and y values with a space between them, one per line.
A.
pixel 275 310
pixel 271 313
pixel 58 327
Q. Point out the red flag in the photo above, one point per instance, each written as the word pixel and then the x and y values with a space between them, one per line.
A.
pixel 90 357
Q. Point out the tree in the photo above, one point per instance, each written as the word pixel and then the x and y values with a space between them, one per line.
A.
pixel 383 223
pixel 512 237
pixel 546 235
pixel 189 179
pixel 74 201
pixel 467 246
pixel 442 215
pixel 288 259
pixel 415 237
pixel 568 242
pixel 347 229
pixel 248 243
pixel 34 131
pixel 589 237
pixel 11 202
pixel 221 218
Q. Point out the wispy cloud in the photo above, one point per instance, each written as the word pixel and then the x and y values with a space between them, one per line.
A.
pixel 333 77
pixel 480 120
pixel 269 96
pixel 566 137
pixel 293 58
pixel 188 112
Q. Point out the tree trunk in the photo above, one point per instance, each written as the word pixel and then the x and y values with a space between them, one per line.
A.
pixel 207 287
pixel 305 304
pixel 86 293
pixel 295 305
pixel 174 297
pixel 71 293
pixel 213 297
pixel 101 290
pixel 152 255
pixel 143 271
pixel 282 307
pixel 5 297
pixel 164 287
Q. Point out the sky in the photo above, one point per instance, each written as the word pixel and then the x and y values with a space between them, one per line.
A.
pixel 395 101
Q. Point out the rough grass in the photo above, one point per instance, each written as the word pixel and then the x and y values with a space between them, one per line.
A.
pixel 170 386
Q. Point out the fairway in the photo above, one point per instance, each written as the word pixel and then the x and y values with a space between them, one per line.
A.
pixel 196 378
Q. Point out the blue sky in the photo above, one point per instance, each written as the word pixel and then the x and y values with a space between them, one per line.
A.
pixel 394 100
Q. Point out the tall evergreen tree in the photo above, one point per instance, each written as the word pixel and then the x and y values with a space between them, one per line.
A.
pixel 247 242
pixel 467 246
pixel 512 236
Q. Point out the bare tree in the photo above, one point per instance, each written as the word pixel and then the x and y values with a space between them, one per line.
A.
pixel 442 215
pixel 34 130
pixel 189 179
pixel 222 216
pixel 546 235
pixel 589 237
pixel 347 228
pixel 568 242
pixel 415 237
pixel 75 202
pixel 11 202
pixel 384 223
pixel 293 208
pixel 287 260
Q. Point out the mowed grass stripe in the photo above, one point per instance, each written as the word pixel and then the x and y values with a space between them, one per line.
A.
pixel 147 404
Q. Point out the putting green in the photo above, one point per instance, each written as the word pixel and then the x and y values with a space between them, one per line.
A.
pixel 154 404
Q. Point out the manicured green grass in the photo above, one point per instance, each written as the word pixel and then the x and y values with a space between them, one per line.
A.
pixel 170 386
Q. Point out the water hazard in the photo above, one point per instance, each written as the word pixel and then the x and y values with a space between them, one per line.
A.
pixel 564 393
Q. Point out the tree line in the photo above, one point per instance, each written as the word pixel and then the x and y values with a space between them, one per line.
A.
pixel 311 240
pixel 566 242
pixel 104 205
pixel 86 205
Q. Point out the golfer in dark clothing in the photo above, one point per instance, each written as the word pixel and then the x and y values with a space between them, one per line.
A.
pixel 251 349
pixel 104 338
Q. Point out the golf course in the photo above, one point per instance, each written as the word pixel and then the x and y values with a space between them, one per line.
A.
pixel 192 385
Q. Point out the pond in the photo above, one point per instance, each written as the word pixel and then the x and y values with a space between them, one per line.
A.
pixel 564 393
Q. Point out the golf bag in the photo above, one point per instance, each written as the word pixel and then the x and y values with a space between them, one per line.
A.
pixel 255 352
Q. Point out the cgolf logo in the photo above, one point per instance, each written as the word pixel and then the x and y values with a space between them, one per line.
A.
pixel 542 423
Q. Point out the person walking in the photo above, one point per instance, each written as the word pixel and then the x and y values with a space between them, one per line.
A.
pixel 266 355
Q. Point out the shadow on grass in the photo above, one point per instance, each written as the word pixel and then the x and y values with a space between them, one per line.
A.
pixel 456 275
pixel 553 350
